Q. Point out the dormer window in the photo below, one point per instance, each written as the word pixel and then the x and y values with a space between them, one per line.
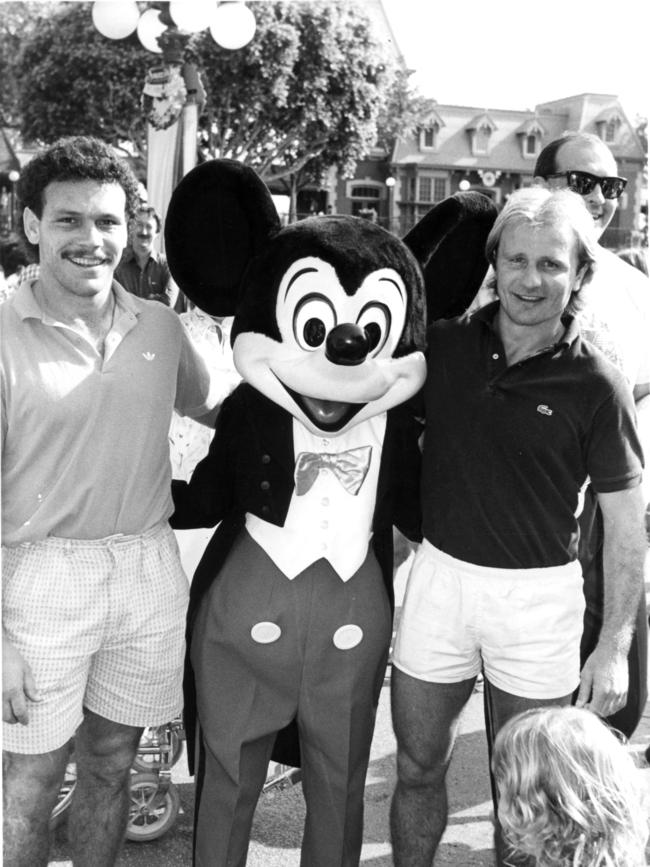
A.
pixel 530 135
pixel 611 130
pixel 429 136
pixel 429 128
pixel 480 133
pixel 608 125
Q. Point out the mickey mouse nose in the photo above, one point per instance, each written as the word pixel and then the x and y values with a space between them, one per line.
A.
pixel 346 344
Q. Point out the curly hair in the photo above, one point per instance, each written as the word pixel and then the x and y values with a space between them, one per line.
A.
pixel 569 793
pixel 80 158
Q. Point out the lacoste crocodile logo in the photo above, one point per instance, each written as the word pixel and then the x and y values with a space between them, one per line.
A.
pixel 545 410
pixel 148 356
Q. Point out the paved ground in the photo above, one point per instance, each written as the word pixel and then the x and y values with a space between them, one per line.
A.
pixel 278 823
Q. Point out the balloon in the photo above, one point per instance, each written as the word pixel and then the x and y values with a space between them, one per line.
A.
pixel 115 19
pixel 233 25
pixel 150 27
pixel 192 15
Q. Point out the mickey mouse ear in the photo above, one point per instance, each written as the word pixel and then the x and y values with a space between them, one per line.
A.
pixel 449 243
pixel 220 215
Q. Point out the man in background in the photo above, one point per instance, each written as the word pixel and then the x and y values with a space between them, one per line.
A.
pixel 615 317
pixel 143 271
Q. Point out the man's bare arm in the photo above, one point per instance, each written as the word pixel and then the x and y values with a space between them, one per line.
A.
pixel 604 678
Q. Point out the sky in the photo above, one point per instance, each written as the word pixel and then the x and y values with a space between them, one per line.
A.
pixel 504 54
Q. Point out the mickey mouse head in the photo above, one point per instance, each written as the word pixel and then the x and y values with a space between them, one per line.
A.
pixel 330 312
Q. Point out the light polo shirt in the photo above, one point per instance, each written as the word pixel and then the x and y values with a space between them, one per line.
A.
pixel 507 448
pixel 616 315
pixel 85 450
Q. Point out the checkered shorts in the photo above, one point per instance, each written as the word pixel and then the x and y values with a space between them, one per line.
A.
pixel 101 624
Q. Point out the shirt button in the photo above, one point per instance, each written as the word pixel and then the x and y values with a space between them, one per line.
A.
pixel 495 355
pixel 324 525
pixel 266 459
pixel 265 485
pixel 323 547
pixel 325 442
pixel 325 501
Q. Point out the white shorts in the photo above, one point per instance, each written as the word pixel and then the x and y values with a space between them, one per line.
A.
pixel 522 626
pixel 102 625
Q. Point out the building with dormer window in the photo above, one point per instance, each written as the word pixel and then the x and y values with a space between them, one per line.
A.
pixel 494 151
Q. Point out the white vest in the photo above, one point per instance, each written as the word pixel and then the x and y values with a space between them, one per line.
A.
pixel 327 521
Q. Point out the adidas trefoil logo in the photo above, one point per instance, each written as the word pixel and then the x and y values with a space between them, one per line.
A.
pixel 148 356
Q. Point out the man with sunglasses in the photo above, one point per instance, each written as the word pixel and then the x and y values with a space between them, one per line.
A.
pixel 616 318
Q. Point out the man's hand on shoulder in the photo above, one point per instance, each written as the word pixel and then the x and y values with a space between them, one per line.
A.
pixel 18 686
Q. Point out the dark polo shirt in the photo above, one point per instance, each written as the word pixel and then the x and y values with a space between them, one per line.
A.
pixel 508 448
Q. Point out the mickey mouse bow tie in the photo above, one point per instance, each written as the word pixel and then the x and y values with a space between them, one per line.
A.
pixel 350 468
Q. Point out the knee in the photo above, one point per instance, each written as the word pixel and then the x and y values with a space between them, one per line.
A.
pixel 417 772
pixel 109 757
pixel 31 781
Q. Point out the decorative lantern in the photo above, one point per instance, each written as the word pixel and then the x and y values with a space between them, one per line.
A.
pixel 233 25
pixel 192 16
pixel 150 27
pixel 115 19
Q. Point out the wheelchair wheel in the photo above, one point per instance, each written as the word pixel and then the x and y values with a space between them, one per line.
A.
pixel 151 813
pixel 152 761
pixel 65 796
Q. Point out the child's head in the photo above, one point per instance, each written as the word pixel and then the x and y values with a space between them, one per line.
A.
pixel 569 793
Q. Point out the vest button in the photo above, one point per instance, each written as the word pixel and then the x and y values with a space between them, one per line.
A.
pixel 266 459
pixel 265 485
pixel 265 632
pixel 348 636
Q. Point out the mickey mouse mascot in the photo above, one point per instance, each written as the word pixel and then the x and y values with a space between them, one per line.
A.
pixel 313 461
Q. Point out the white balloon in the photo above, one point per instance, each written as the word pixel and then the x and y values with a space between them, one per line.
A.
pixel 233 25
pixel 115 19
pixel 150 27
pixel 192 16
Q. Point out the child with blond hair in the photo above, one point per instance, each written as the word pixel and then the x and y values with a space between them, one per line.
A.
pixel 569 793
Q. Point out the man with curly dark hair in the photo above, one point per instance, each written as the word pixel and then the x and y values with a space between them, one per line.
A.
pixel 94 595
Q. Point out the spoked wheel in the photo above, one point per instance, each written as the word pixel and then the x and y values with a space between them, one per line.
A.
pixel 65 796
pixel 154 736
pixel 151 812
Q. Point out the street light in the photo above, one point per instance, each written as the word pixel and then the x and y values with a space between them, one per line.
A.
pixel 231 23
pixel 14 177
pixel 390 184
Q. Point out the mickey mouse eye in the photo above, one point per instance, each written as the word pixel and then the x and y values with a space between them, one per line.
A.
pixel 375 319
pixel 313 318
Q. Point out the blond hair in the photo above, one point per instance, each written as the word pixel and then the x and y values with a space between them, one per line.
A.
pixel 569 792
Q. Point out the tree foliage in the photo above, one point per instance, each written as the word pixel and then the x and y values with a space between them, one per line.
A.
pixel 75 81
pixel 304 95
pixel 307 90
pixel 17 21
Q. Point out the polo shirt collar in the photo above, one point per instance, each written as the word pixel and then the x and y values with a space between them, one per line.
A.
pixel 129 256
pixel 488 313
pixel 26 305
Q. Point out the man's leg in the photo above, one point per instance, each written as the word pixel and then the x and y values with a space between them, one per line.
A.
pixel 425 719
pixel 104 752
pixel 30 788
pixel 501 706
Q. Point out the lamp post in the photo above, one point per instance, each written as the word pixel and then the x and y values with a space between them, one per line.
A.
pixel 13 179
pixel 173 92
pixel 390 186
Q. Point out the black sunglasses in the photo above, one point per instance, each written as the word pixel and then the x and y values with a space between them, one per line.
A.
pixel 584 182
